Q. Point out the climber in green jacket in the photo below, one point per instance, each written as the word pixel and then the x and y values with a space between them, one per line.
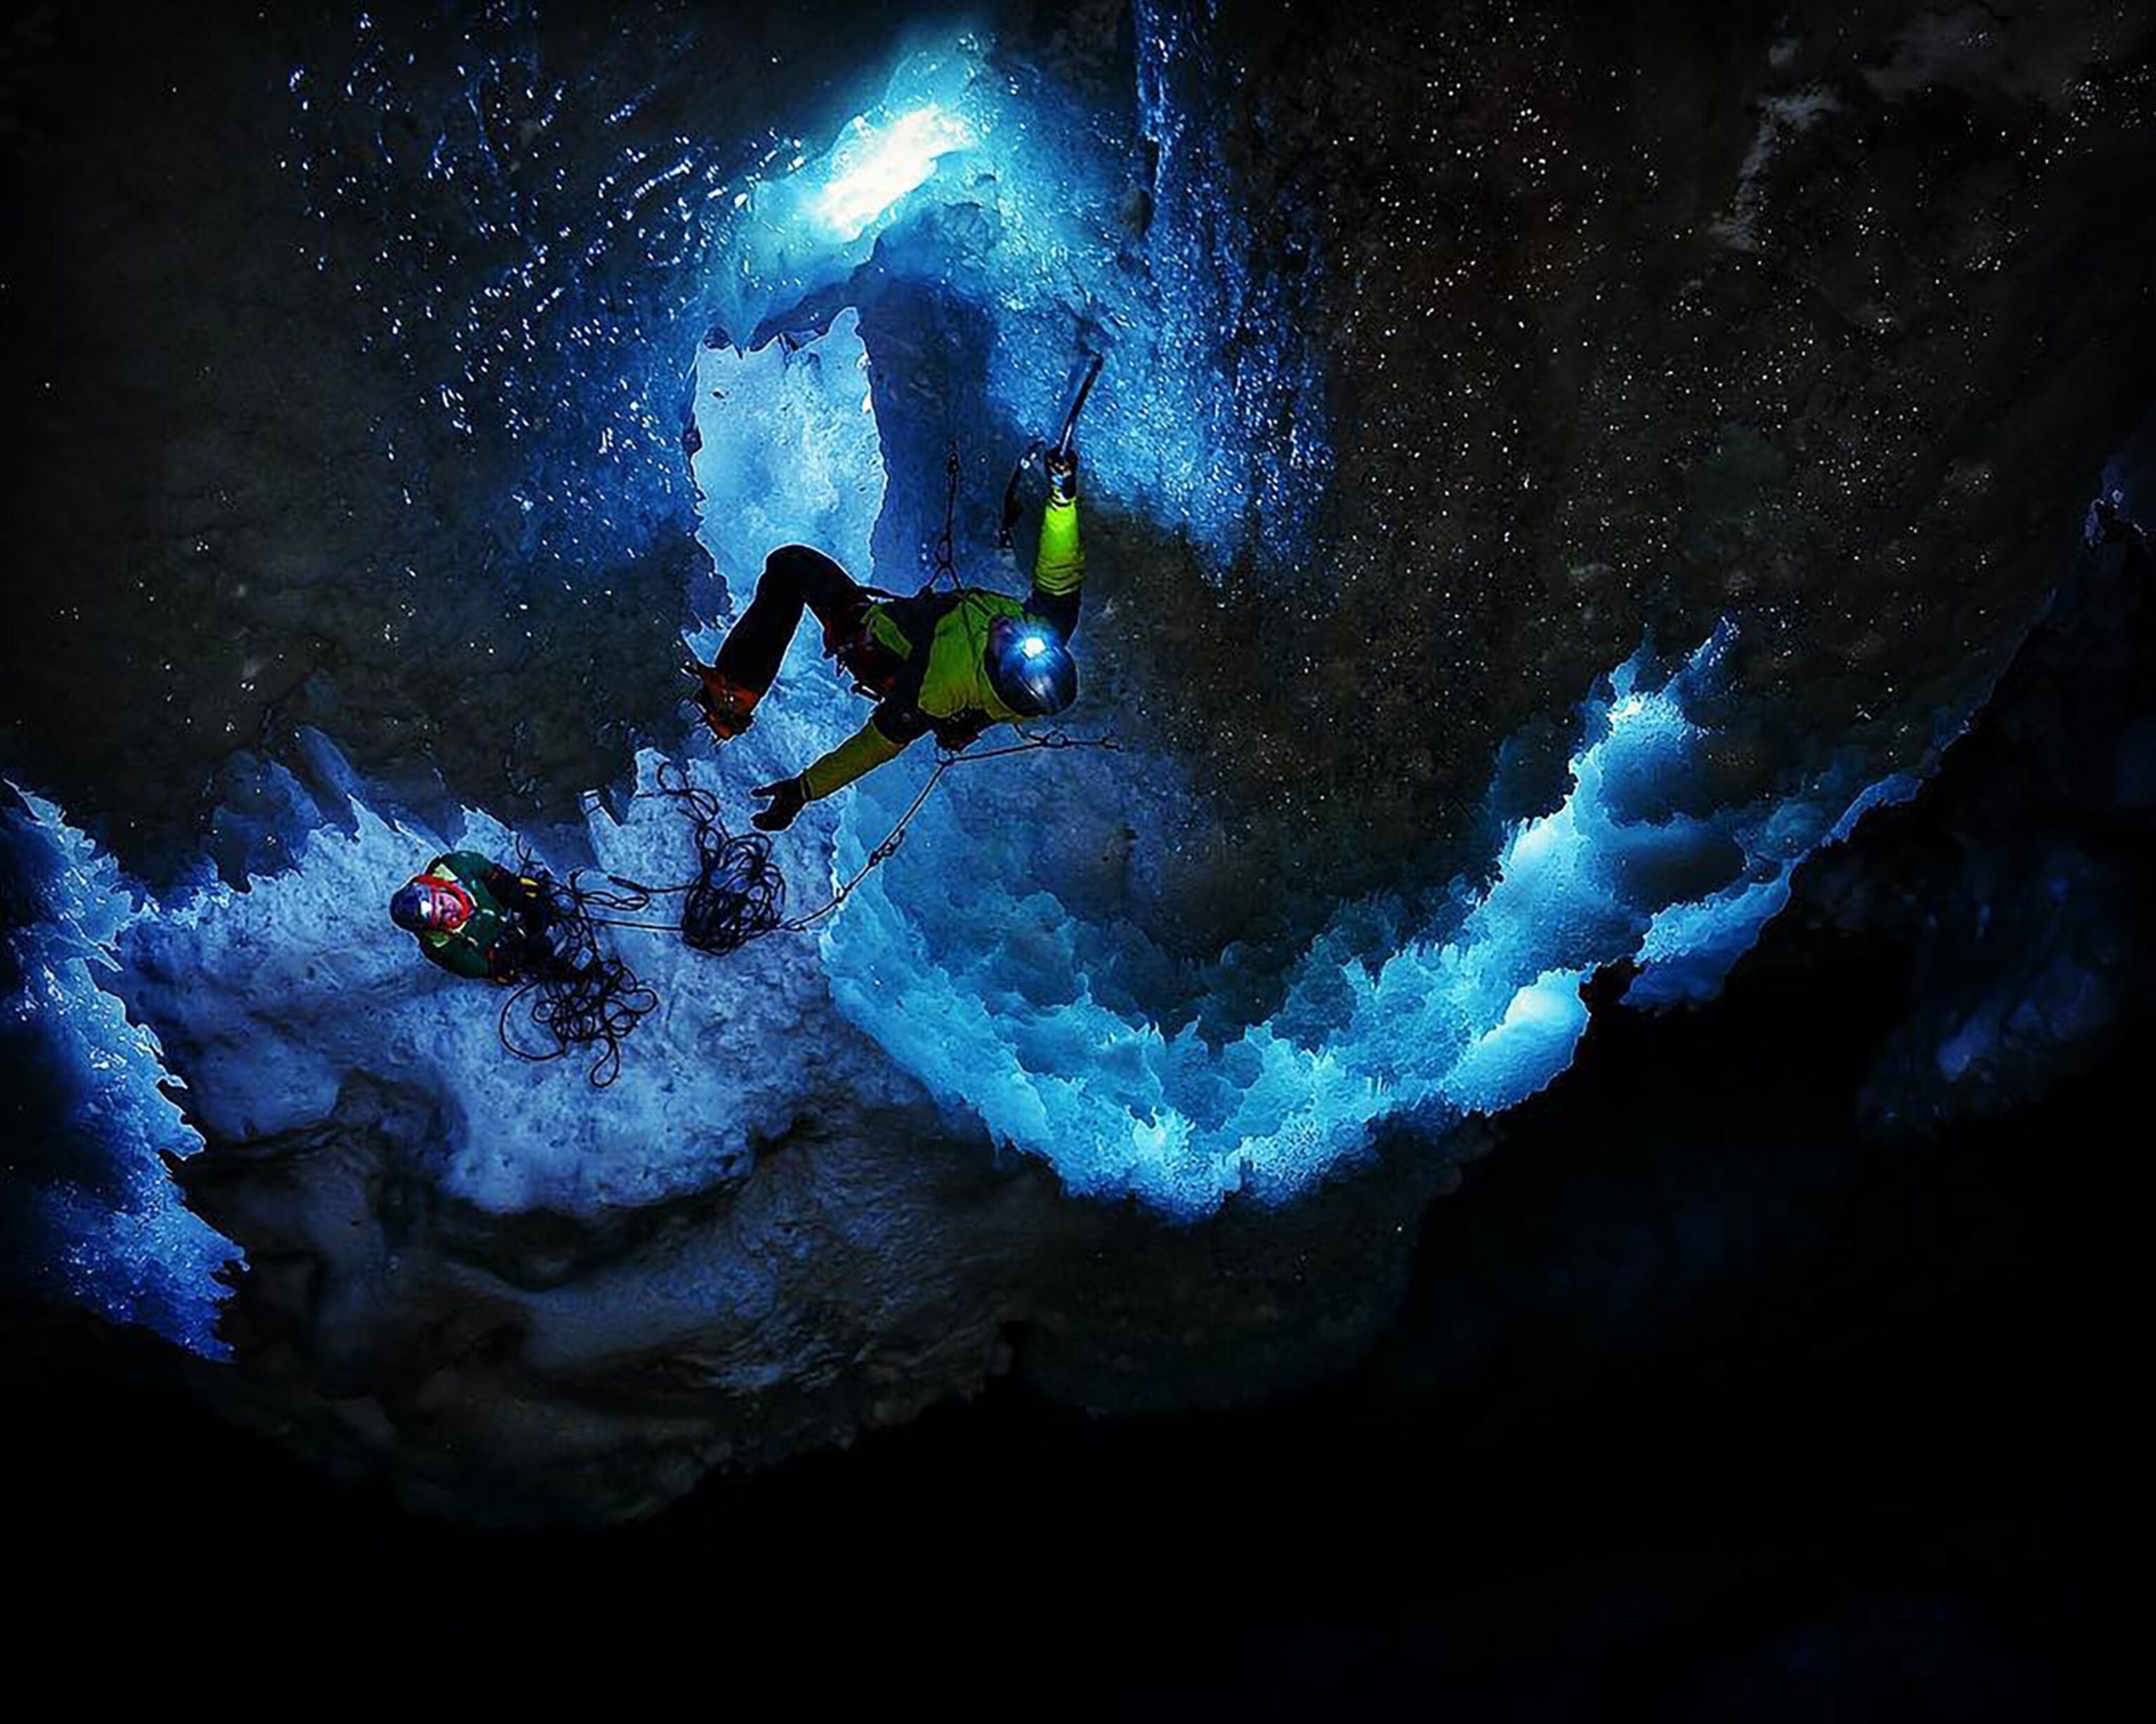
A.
pixel 952 662
pixel 476 919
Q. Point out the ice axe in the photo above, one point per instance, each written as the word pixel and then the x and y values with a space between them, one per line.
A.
pixel 1012 508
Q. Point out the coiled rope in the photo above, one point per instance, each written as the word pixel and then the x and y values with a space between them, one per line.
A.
pixel 739 894
pixel 576 995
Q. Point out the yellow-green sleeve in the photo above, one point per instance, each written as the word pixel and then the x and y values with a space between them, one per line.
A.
pixel 1059 568
pixel 864 751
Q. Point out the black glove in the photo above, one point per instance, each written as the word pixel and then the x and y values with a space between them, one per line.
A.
pixel 521 893
pixel 1062 469
pixel 518 955
pixel 961 732
pixel 787 798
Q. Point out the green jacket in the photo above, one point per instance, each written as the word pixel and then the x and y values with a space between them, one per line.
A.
pixel 940 638
pixel 469 950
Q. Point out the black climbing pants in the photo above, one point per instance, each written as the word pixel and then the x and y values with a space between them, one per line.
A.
pixel 794 577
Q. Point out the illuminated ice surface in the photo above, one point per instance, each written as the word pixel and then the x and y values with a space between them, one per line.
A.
pixel 284 1005
pixel 289 1007
pixel 964 184
pixel 956 974
pixel 798 231
pixel 1005 1003
pixel 84 1168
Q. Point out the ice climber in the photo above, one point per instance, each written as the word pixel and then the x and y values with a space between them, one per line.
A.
pixel 954 662
pixel 476 919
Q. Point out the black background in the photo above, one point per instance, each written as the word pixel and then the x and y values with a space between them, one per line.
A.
pixel 1863 1466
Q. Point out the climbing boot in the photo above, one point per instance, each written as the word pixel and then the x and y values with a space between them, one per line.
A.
pixel 728 707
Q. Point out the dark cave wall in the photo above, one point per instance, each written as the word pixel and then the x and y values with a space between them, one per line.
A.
pixel 1622 341
pixel 1625 319
pixel 244 503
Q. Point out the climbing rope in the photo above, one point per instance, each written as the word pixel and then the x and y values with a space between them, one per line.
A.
pixel 946 557
pixel 946 758
pixel 739 894
pixel 574 995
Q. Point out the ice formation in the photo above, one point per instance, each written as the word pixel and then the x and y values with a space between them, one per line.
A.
pixel 84 1177
pixel 958 202
pixel 1005 1003
pixel 286 1004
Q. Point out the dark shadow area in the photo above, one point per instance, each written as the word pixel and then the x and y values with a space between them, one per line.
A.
pixel 1681 1420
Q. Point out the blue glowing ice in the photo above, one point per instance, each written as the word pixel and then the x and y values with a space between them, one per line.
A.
pixel 86 1171
pixel 872 169
pixel 1009 195
pixel 963 973
pixel 291 1001
pixel 958 962
pixel 575 270
pixel 794 231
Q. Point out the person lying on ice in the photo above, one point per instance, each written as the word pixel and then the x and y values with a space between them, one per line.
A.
pixel 475 917
pixel 952 662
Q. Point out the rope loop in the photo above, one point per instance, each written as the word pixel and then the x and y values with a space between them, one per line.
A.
pixel 575 996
